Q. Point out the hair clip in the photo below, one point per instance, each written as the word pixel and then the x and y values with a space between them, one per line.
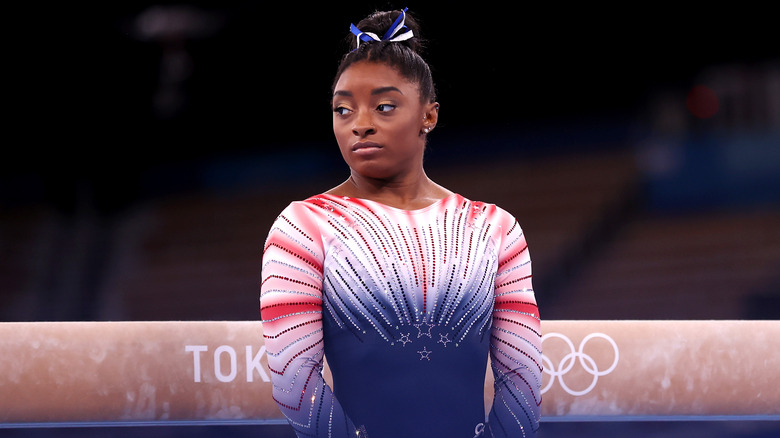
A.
pixel 393 34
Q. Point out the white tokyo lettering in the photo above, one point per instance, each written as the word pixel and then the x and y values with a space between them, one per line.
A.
pixel 218 363
pixel 586 361
pixel 253 364
pixel 196 350
pixel 226 365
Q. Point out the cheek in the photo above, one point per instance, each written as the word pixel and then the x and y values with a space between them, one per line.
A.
pixel 410 128
pixel 340 132
pixel 343 139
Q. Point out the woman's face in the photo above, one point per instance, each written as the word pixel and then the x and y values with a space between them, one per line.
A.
pixel 379 121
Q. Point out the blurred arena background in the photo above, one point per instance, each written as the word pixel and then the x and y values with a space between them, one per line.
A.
pixel 151 144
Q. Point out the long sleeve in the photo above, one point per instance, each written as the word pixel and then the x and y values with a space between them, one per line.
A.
pixel 515 344
pixel 291 305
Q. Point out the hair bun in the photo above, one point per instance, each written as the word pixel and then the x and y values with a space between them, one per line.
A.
pixel 380 22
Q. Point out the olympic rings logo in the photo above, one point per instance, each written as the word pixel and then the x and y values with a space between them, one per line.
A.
pixel 567 363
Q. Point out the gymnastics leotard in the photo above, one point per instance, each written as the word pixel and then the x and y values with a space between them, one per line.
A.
pixel 407 306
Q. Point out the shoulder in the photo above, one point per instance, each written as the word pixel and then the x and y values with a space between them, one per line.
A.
pixel 311 206
pixel 493 212
pixel 499 223
pixel 504 217
pixel 299 227
pixel 302 216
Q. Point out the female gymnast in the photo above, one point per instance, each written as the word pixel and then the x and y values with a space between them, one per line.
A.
pixel 406 287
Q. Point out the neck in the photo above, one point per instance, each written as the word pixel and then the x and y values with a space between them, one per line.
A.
pixel 402 186
pixel 413 192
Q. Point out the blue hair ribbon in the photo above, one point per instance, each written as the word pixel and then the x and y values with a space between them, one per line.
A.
pixel 393 34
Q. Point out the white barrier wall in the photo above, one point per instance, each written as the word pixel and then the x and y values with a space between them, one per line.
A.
pixel 86 372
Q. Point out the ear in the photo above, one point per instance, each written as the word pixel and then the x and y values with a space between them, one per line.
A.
pixel 430 117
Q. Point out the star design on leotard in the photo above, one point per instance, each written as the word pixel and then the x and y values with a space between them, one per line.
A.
pixel 425 332
pixel 425 354
pixel 404 339
pixel 444 338
pixel 477 212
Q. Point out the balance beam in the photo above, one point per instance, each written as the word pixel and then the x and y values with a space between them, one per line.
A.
pixel 174 372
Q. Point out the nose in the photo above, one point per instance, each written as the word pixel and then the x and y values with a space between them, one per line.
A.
pixel 363 124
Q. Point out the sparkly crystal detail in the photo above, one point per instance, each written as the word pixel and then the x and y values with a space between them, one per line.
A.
pixel 418 288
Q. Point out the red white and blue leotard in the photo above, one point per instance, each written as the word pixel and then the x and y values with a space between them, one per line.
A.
pixel 407 306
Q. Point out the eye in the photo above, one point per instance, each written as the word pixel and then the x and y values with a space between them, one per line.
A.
pixel 341 110
pixel 385 107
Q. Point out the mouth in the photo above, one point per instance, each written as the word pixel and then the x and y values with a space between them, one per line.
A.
pixel 365 146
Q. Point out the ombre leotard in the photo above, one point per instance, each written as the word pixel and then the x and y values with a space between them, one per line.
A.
pixel 407 306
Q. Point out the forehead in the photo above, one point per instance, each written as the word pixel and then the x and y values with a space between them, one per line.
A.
pixel 367 76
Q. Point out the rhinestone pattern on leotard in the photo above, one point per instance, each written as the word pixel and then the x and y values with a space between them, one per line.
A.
pixel 407 305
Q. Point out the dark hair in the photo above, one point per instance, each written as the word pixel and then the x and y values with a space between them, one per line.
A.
pixel 404 56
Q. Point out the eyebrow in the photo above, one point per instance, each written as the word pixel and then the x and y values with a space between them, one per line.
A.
pixel 383 90
pixel 374 92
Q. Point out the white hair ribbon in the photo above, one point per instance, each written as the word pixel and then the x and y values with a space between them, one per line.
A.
pixel 392 34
